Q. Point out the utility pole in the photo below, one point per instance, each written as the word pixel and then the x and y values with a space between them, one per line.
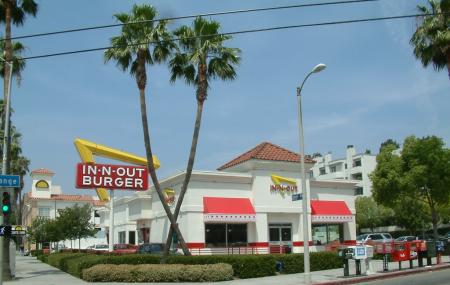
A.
pixel 6 142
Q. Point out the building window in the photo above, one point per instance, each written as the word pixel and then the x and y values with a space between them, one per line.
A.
pixel 132 237
pixel 346 166
pixel 122 237
pixel 357 176
pixel 326 233
pixel 357 162
pixel 225 235
pixel 44 212
pixel 359 191
pixel 333 169
pixel 311 174
pixel 96 214
pixel 322 170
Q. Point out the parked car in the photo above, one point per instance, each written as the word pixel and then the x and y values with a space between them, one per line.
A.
pixel 153 248
pixel 378 237
pixel 124 248
pixel 405 238
pixel 101 247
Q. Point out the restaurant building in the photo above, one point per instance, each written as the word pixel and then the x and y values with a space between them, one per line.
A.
pixel 247 206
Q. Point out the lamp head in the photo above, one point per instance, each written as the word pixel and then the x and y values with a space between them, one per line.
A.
pixel 318 68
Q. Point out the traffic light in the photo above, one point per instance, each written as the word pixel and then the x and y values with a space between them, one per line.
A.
pixel 6 203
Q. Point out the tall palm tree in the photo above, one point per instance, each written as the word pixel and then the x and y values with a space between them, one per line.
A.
pixel 13 12
pixel 202 57
pixel 138 45
pixel 18 62
pixel 431 40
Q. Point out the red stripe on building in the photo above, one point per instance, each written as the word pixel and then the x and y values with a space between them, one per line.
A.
pixel 259 244
pixel 300 243
pixel 193 245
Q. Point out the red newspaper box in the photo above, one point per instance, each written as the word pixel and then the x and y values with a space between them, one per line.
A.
pixel 413 249
pixel 401 252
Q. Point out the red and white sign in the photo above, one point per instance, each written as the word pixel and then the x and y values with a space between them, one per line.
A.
pixel 112 176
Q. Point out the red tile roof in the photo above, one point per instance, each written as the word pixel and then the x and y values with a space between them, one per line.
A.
pixel 266 151
pixel 66 197
pixel 42 171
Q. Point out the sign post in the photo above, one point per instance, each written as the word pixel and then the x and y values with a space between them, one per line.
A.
pixel 296 197
pixel 111 221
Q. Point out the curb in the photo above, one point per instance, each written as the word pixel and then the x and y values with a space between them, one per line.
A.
pixel 381 276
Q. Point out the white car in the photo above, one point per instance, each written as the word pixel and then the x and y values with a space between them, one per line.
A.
pixel 101 247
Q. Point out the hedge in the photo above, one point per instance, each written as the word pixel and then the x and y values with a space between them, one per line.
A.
pixel 75 266
pixel 36 252
pixel 244 266
pixel 158 273
pixel 293 263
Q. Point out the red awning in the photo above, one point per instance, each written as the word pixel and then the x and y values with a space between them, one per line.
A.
pixel 220 209
pixel 330 211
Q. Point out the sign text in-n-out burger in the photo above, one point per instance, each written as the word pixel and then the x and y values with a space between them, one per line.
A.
pixel 111 176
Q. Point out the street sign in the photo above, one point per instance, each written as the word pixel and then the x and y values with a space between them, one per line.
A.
pixel 17 230
pixel 9 180
pixel 5 231
pixel 296 197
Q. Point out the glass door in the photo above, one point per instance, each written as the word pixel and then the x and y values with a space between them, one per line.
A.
pixel 280 234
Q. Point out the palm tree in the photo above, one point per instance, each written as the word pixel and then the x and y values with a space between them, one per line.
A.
pixel 17 60
pixel 431 40
pixel 202 57
pixel 138 45
pixel 14 11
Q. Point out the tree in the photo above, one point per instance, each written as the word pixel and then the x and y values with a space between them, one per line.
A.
pixel 389 142
pixel 369 214
pixel 13 12
pixel 75 223
pixel 138 45
pixel 201 57
pixel 431 39
pixel 36 232
pixel 421 172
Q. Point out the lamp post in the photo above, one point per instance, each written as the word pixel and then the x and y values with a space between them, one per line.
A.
pixel 305 197
pixel 5 153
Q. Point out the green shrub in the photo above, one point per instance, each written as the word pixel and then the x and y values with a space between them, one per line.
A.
pixel 293 263
pixel 244 266
pixel 36 252
pixel 158 273
pixel 43 257
pixel 75 266
pixel 59 260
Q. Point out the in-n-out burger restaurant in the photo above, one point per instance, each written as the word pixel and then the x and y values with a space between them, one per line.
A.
pixel 246 206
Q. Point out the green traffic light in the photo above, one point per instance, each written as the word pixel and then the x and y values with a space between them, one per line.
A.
pixel 5 208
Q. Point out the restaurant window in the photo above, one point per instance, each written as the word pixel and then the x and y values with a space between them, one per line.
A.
pixel 326 233
pixel 132 237
pixel 122 237
pixel 225 235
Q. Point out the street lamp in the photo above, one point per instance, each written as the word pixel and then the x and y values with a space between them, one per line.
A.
pixel 305 198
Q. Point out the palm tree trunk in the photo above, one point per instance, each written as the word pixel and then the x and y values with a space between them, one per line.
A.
pixel 201 97
pixel 189 168
pixel 151 169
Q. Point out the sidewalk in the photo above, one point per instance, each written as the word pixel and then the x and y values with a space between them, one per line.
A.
pixel 30 271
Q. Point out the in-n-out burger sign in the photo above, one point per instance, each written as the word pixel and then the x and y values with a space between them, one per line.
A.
pixel 111 176
pixel 282 188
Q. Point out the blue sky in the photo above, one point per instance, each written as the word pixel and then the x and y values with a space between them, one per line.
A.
pixel 372 90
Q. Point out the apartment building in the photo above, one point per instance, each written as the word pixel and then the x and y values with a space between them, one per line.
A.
pixel 354 166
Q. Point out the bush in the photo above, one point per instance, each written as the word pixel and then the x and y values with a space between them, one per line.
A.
pixel 43 257
pixel 36 252
pixel 244 266
pixel 59 260
pixel 293 263
pixel 159 273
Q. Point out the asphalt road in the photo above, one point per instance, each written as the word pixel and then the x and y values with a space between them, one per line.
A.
pixel 441 277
